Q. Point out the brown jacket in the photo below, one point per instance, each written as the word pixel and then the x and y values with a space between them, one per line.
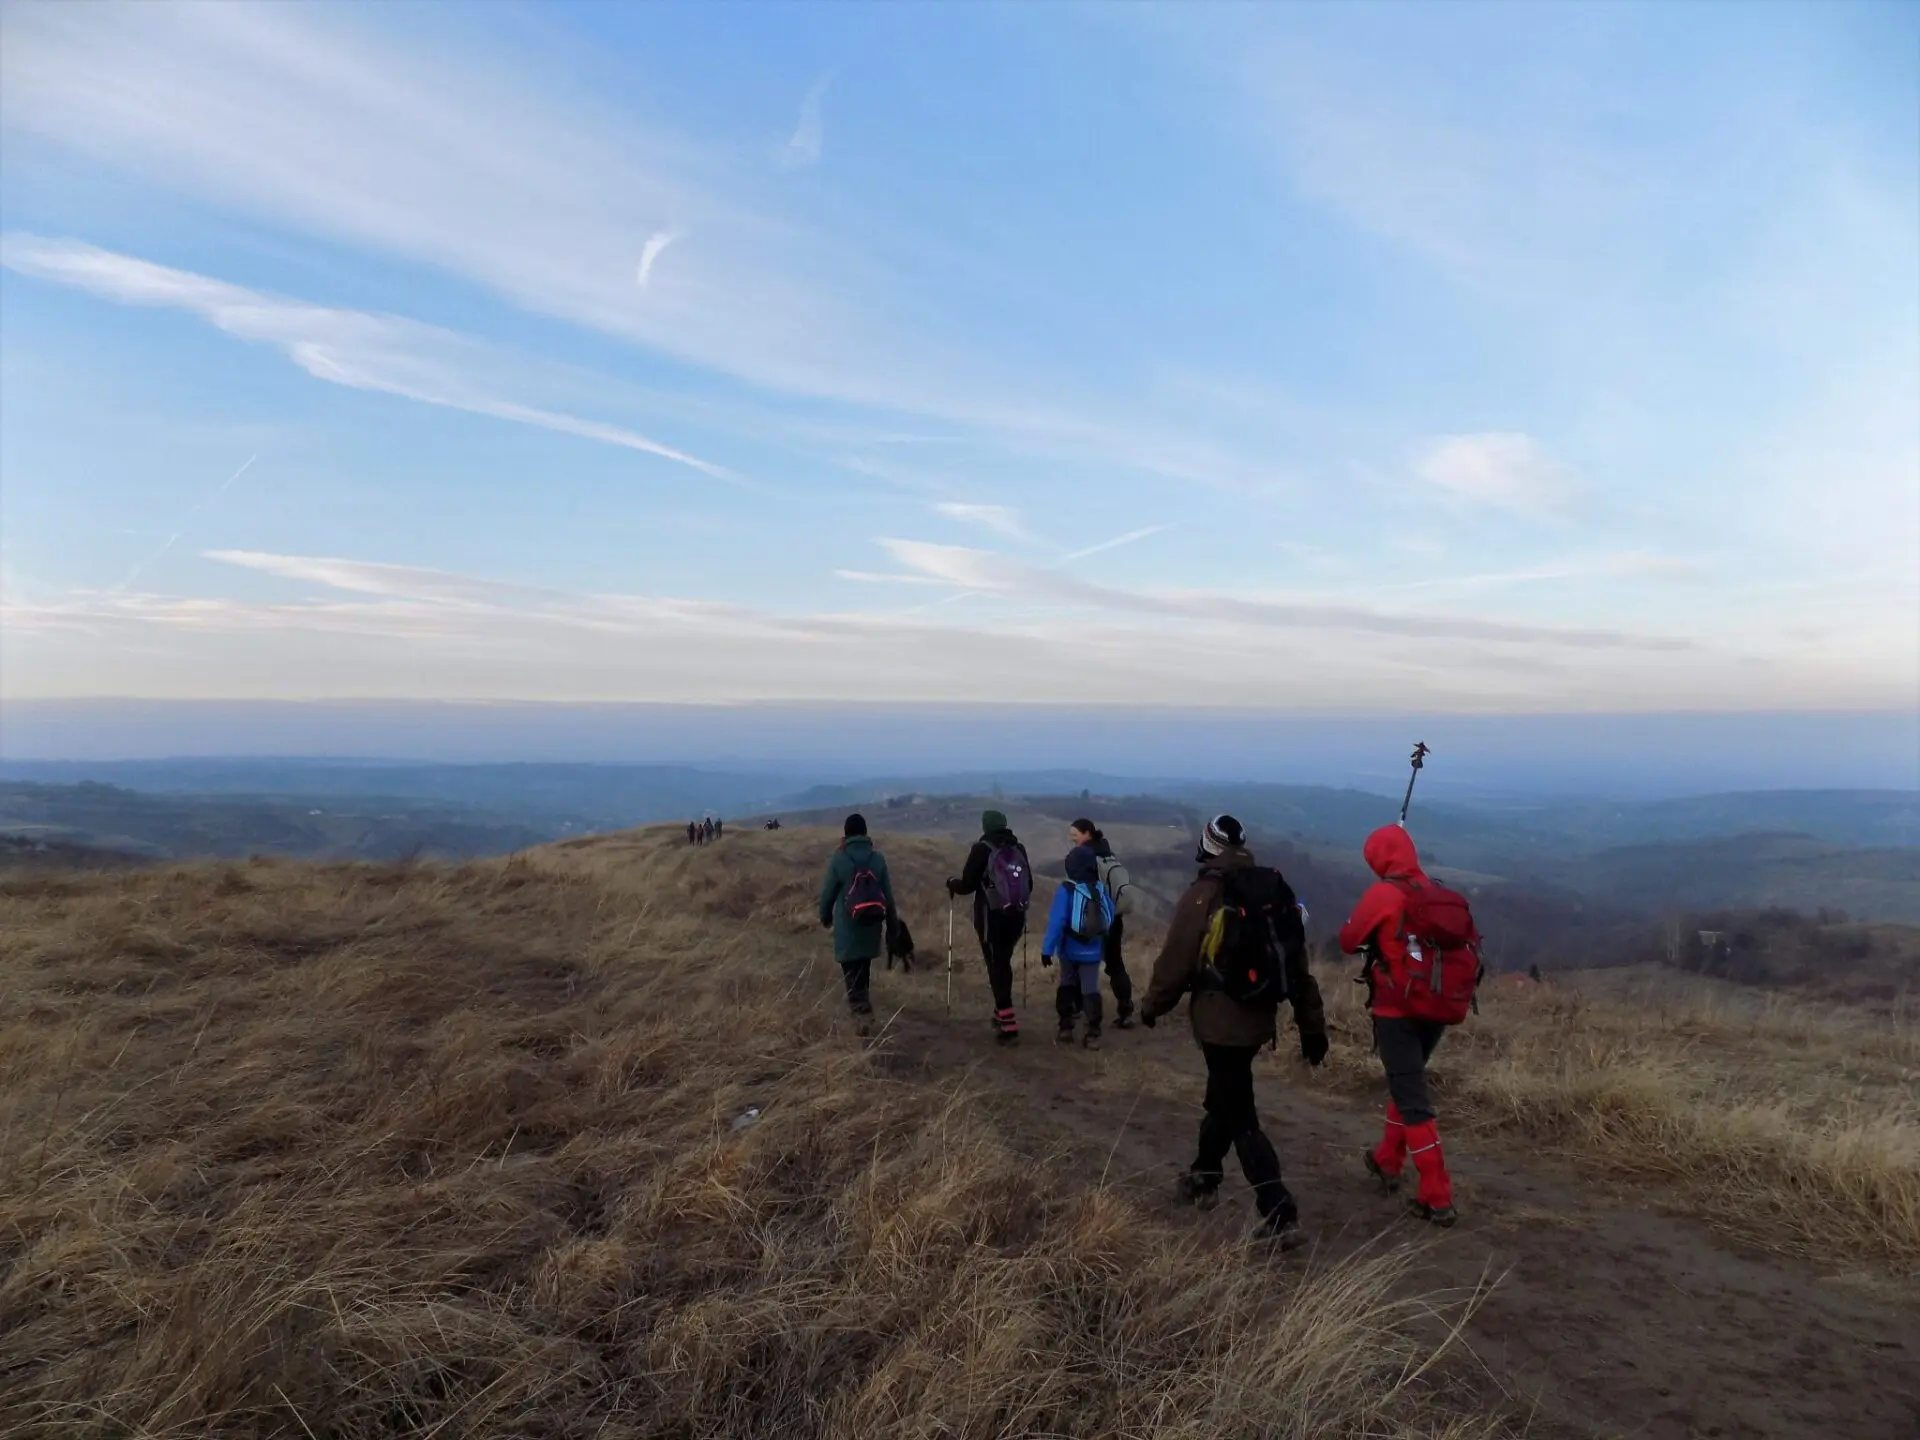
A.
pixel 1219 1019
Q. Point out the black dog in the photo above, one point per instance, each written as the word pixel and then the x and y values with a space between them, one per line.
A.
pixel 899 943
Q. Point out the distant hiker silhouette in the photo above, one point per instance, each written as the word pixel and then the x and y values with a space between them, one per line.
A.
pixel 693 833
pixel 856 899
pixel 1238 945
pixel 716 828
pixel 1000 878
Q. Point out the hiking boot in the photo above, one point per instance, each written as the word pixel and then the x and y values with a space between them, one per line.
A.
pixel 1199 1194
pixel 1006 1026
pixel 1064 1035
pixel 1387 1183
pixel 1445 1216
pixel 1091 1040
pixel 1124 1020
pixel 1283 1235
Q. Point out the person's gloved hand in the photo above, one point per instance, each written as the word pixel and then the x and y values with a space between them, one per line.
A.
pixel 826 922
pixel 1146 1018
pixel 953 886
pixel 1046 962
pixel 1313 1048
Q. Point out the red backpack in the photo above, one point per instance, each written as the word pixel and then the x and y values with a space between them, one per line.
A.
pixel 1441 971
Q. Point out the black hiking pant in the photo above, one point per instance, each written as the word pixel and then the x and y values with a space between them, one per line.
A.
pixel 1000 932
pixel 1232 1123
pixel 1117 977
pixel 1404 1047
pixel 858 975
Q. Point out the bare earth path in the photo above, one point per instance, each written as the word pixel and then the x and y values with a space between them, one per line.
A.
pixel 1610 1319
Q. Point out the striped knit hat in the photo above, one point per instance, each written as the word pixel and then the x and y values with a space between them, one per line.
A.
pixel 1223 832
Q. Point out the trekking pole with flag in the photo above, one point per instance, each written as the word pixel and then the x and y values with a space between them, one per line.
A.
pixel 1420 753
pixel 949 954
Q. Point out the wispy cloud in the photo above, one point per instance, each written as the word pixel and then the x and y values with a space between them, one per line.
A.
pixel 984 571
pixel 1498 467
pixel 1113 544
pixel 809 138
pixel 655 247
pixel 344 347
pixel 1002 519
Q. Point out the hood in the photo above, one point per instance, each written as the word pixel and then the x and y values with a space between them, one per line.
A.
pixel 1389 851
pixel 1002 836
pixel 1081 866
pixel 1234 857
pixel 857 845
pixel 992 820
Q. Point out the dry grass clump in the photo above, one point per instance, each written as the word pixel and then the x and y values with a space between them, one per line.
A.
pixel 1793 1124
pixel 358 1151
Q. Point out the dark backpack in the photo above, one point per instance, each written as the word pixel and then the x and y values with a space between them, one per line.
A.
pixel 1250 933
pixel 1007 884
pixel 866 900
pixel 1438 978
pixel 1091 913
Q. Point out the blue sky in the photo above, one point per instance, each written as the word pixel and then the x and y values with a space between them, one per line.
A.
pixel 1314 358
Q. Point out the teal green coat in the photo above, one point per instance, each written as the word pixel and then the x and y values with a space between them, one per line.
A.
pixel 851 941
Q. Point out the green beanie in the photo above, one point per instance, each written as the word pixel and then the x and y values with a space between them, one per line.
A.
pixel 992 820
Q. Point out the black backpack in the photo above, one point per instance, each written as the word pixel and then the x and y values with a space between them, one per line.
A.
pixel 866 901
pixel 1250 934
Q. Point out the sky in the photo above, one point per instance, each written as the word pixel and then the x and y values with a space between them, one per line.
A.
pixel 1298 358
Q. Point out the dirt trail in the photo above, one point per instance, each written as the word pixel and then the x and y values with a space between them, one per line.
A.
pixel 1610 1318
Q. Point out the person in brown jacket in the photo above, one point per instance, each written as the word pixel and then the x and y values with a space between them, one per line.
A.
pixel 1231 1033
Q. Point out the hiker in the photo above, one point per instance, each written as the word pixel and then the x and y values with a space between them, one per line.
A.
pixel 706 829
pixel 1412 1000
pixel 1000 878
pixel 693 833
pixel 855 900
pixel 1076 932
pixel 716 827
pixel 1238 944
pixel 1113 875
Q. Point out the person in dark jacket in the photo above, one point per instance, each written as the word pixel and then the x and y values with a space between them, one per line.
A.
pixel 1085 833
pixel 854 944
pixel 693 833
pixel 999 924
pixel 1231 1034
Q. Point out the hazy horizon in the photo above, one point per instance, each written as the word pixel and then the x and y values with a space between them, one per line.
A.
pixel 1630 756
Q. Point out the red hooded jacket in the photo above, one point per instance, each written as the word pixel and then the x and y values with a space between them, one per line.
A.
pixel 1377 918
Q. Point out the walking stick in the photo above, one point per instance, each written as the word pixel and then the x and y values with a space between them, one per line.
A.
pixel 949 955
pixel 1023 970
pixel 1420 753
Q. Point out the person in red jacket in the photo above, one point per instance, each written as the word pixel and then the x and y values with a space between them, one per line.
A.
pixel 1404 1044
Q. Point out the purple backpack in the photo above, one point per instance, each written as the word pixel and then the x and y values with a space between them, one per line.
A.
pixel 1008 885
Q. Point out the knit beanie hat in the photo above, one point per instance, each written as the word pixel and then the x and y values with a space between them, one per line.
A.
pixel 1223 833
pixel 1082 866
pixel 992 820
pixel 856 825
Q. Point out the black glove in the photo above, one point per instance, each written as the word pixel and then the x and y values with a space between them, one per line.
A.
pixel 826 922
pixel 953 886
pixel 1046 962
pixel 1313 1047
pixel 1146 1018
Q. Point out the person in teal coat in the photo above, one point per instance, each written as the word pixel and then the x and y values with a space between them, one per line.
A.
pixel 855 944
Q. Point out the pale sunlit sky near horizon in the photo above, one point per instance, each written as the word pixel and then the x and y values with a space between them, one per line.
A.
pixel 1310 357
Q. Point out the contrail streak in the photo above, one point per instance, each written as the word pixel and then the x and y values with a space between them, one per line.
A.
pixel 199 505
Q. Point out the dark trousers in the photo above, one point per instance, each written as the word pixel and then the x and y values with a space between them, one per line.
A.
pixel 1117 978
pixel 1404 1047
pixel 1232 1123
pixel 1000 932
pixel 857 974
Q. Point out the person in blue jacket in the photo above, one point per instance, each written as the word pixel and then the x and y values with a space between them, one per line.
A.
pixel 1076 934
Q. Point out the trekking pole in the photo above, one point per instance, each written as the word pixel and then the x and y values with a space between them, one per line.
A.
pixel 949 956
pixel 1420 753
pixel 1023 970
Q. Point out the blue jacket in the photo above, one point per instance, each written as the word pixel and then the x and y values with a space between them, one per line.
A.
pixel 1061 941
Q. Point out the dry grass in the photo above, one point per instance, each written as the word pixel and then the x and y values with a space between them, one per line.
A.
pixel 1794 1124
pixel 355 1151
